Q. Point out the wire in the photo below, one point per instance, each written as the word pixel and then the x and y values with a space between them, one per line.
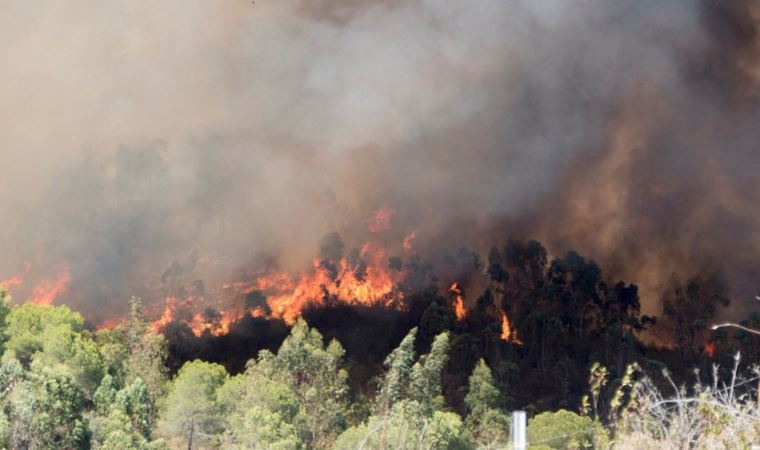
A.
pixel 731 324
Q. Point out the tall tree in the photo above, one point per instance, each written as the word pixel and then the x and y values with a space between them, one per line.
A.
pixel 46 410
pixel 408 413
pixel 191 412
pixel 398 376
pixel 426 375
pixel 313 372
pixel 486 424
pixel 147 351
pixel 259 412
pixel 690 307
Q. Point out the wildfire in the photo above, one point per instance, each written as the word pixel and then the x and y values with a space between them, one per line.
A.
pixel 507 333
pixel 367 284
pixel 47 290
pixel 710 349
pixel 167 317
pixel 201 324
pixel 366 281
pixel 459 308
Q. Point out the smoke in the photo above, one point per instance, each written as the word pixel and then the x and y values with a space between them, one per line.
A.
pixel 220 135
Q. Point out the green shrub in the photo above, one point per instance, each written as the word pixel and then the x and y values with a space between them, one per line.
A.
pixel 560 430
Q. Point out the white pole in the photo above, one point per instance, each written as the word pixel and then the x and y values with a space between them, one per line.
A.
pixel 519 438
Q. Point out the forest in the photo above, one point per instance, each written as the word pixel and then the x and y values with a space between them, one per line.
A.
pixel 345 376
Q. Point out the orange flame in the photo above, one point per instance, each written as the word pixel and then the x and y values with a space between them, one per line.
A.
pixel 46 291
pixel 199 325
pixel 459 308
pixel 366 282
pixel 351 284
pixel 710 349
pixel 507 333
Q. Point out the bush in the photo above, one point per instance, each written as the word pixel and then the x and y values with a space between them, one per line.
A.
pixel 561 430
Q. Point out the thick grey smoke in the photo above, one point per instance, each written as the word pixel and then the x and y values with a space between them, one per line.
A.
pixel 217 134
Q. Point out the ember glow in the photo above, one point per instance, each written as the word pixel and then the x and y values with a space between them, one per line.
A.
pixel 710 349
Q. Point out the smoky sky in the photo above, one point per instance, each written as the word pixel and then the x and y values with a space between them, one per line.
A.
pixel 139 134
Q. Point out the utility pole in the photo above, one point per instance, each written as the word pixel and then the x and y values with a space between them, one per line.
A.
pixel 519 438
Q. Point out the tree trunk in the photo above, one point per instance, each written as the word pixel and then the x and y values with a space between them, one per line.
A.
pixel 190 436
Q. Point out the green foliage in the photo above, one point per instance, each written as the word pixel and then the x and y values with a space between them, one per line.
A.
pixel 147 352
pixel 313 373
pixel 125 417
pixel 398 377
pixel 482 395
pixel 302 390
pixel 75 351
pixel 409 411
pixel 426 374
pixel 125 402
pixel 486 425
pixel 119 433
pixel 259 411
pixel 561 430
pixel 598 378
pixel 405 426
pixel 5 309
pixel 45 409
pixel 105 395
pixel 419 381
pixel 53 369
pixel 54 337
pixel 191 412
pixel 607 398
pixel 265 430
pixel 115 351
pixel 134 400
pixel 28 324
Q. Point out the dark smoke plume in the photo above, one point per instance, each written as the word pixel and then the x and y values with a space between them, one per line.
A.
pixel 225 135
